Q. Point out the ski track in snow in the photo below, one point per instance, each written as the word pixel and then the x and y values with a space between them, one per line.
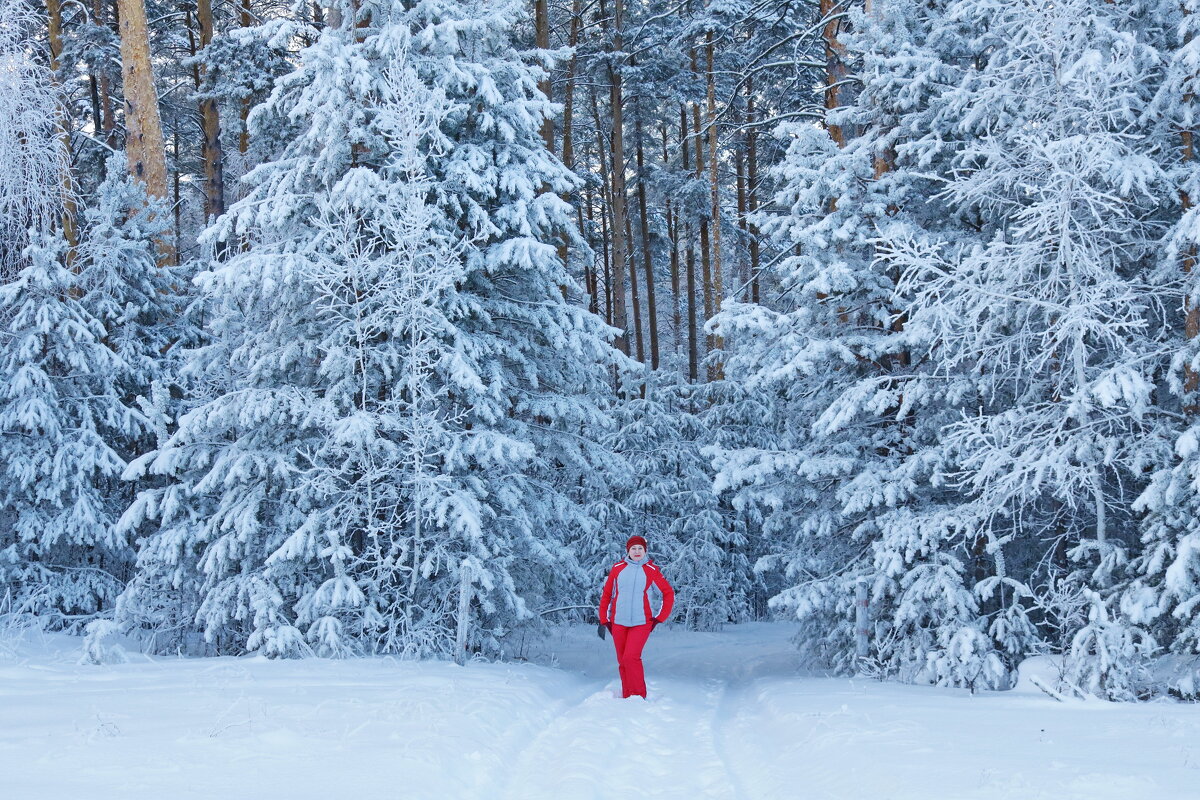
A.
pixel 606 746
pixel 534 754
pixel 726 711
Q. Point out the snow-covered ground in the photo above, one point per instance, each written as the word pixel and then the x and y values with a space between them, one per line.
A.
pixel 728 717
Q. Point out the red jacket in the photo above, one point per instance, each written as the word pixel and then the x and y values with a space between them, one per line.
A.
pixel 654 576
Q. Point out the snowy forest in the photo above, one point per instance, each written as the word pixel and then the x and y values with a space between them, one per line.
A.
pixel 378 326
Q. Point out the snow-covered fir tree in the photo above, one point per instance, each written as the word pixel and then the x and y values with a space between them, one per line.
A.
pixel 69 423
pixel 87 330
pixel 833 473
pixel 962 353
pixel 666 496
pixel 56 414
pixel 143 303
pixel 1166 592
pixel 240 66
pixel 408 425
pixel 1036 310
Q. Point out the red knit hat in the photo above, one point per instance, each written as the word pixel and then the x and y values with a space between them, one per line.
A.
pixel 634 540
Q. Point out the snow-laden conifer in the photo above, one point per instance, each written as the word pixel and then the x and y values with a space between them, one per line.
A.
pixel 86 359
pixel 62 422
pixel 833 473
pixel 408 425
pixel 1042 314
pixel 666 496
pixel 1165 597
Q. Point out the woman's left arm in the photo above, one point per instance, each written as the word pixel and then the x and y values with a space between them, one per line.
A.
pixel 668 594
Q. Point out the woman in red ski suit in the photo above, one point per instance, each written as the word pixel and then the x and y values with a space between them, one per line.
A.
pixel 625 611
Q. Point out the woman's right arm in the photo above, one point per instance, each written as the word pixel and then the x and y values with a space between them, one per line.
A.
pixel 606 598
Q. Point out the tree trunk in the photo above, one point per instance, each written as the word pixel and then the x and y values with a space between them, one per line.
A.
pixel 739 165
pixel 247 20
pixel 176 206
pixel 568 154
pixel 108 120
pixel 715 193
pixel 97 119
pixel 568 135
pixel 70 210
pixel 589 274
pixel 620 214
pixel 647 263
pixel 673 235
pixel 611 299
pixel 1191 323
pixel 210 125
pixel 693 325
pixel 568 146
pixel 144 138
pixel 705 252
pixel 638 336
pixel 752 189
pixel 541 26
pixel 836 73
pixel 690 262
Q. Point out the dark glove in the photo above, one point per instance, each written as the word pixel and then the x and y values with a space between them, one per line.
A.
pixel 600 630
pixel 653 623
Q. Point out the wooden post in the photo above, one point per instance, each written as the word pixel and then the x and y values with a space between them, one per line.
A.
pixel 464 611
pixel 862 604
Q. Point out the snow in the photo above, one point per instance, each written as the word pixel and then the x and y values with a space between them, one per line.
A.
pixel 728 716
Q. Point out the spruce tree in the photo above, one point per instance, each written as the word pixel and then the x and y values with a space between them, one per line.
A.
pixel 399 459
pixel 63 421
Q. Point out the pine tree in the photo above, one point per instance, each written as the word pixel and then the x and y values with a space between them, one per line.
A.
pixel 90 355
pixel 1166 591
pixel 1037 315
pixel 401 279
pixel 62 419
pixel 835 474
pixel 667 498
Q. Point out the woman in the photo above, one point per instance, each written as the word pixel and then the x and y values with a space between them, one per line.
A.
pixel 625 611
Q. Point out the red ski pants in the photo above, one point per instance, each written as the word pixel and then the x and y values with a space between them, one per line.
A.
pixel 629 643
